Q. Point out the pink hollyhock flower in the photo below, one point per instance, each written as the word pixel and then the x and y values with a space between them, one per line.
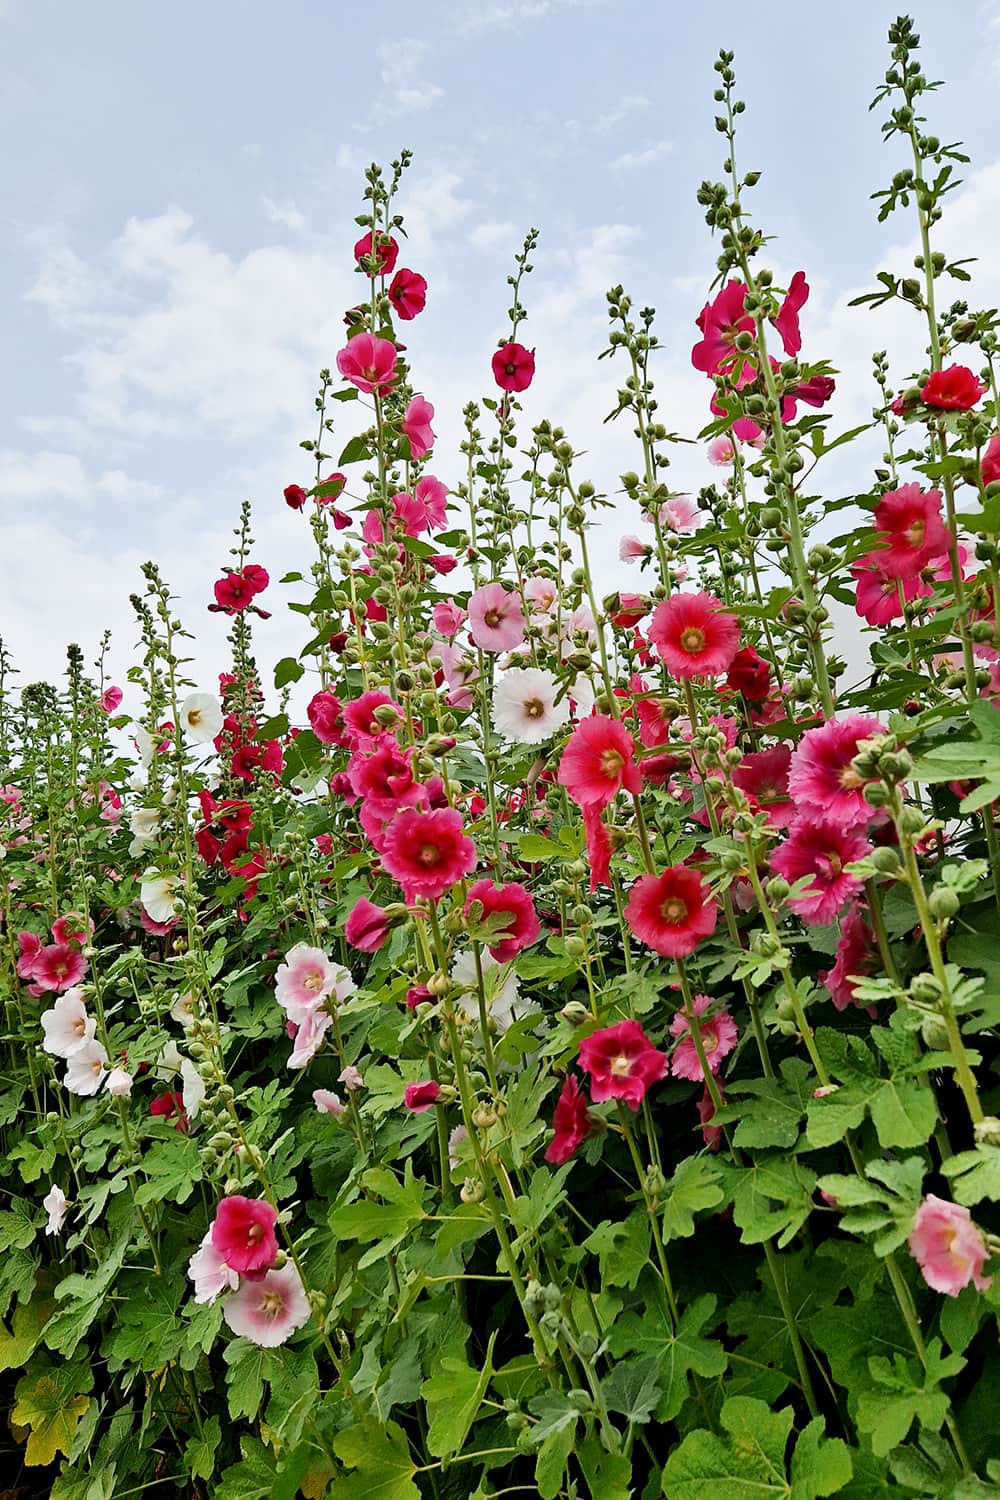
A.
pixel 360 722
pixel 694 636
pixel 29 946
pixel 86 1068
pixel 718 1038
pixel 763 775
pixel 333 487
pixel 990 466
pixel 447 617
pixel 720 322
pixel 208 1270
pixel 711 1134
pixel 72 929
pixel 418 994
pixel 622 1063
pixel 722 451
pixel 295 499
pixel 631 550
pixel 514 367
pixel 457 670
pixel 633 609
pixel 58 967
pixel 304 979
pixel 787 321
pixel 351 1078
pixel 821 850
pixel 672 912
pixel 420 1097
pixel 854 954
pixel 821 777
pixel 269 1311
pixel 111 699
pixel 598 761
pixel 408 294
pixel 814 392
pixel 749 674
pixel 878 589
pixel 496 621
pixel 681 515
pixel 243 1233
pixel 307 1037
pixel 598 846
pixel 369 363
pixel 522 927
pixel 954 389
pixel 442 563
pixel 416 427
pixel 328 1103
pixel 384 778
pixel 385 251
pixel 432 497
pixel 56 1205
pixel 326 718
pixel 428 852
pixel 367 926
pixel 911 524
pixel 948 1247
pixel 66 1026
pixel 570 1123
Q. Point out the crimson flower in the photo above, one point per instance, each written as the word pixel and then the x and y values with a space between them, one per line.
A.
pixel 954 389
pixel 671 913
pixel 428 852
pixel 820 849
pixel 243 1233
pixel 367 926
pixel 598 761
pixel 420 1097
pixel 386 250
pixel 295 496
pixel 720 323
pixel 326 718
pixel 522 927
pixel 749 674
pixel 622 1063
pixel 408 294
pixel 514 367
pixel 822 779
pixel 570 1123
pixel 694 635
pixel 911 529
pixel 990 466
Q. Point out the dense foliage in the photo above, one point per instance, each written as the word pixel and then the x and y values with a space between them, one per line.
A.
pixel 563 1062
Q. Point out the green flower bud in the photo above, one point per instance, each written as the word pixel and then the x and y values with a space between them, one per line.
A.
pixel 944 903
pixel 925 989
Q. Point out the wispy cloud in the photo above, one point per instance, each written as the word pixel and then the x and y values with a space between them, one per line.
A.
pixel 644 158
pixel 510 14
pixel 405 86
pixel 283 213
pixel 627 106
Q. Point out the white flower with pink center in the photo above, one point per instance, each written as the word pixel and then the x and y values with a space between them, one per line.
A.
pixel 86 1068
pixel 525 710
pixel 208 1270
pixel 306 979
pixel 66 1025
pixel 268 1311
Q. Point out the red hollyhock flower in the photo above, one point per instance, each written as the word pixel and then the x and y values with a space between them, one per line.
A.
pixel 750 675
pixel 243 1233
pixel 632 609
pixel 912 529
pixel 990 467
pixel 233 593
pixel 408 294
pixel 622 1063
pixel 367 926
pixel 820 850
pixel 598 761
pixel 359 716
pixel 295 496
pixel 326 718
pixel 514 901
pixel 787 321
pixel 514 367
pixel 443 563
pixel 570 1123
pixel 954 389
pixel 694 635
pixel 598 846
pixel 671 913
pixel 428 852
pixel 386 250
pixel 420 1097
pixel 169 1105
pixel 814 392
pixel 332 489
pixel 855 952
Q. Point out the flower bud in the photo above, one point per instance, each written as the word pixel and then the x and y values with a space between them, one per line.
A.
pixel 934 1033
pixel 925 989
pixel 944 903
pixel 575 1012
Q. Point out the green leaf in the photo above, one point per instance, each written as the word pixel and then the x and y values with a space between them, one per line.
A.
pixel 623 1249
pixel 631 1389
pixel 550 1465
pixel 974 1175
pixel 356 450
pixel 199 1454
pixel 904 1392
pixel 695 1185
pixel 454 1395
pixel 252 1478
pixel 288 670
pixel 533 848
pixel 772 1198
pixel 381 1458
pixel 677 1354
pixel 27 1324
pixel 752 1464
pixel 773 1114
pixel 50 1400
pixel 366 1221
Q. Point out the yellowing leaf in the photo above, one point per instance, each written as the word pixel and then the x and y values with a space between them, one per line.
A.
pixel 50 1400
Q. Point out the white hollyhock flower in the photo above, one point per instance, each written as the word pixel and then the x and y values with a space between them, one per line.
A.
pixel 503 993
pixel 158 894
pixel 145 744
pixel 525 710
pixel 86 1068
pixel 56 1205
pixel 119 1083
pixel 66 1025
pixel 144 823
pixel 201 717
pixel 208 1270
pixel 183 1010
pixel 193 1091
pixel 582 696
pixel 168 1062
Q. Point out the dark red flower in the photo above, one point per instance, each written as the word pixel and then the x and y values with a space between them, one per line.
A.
pixel 570 1123
pixel 295 496
pixel 168 1106
pixel 749 674
pixel 514 902
pixel 408 294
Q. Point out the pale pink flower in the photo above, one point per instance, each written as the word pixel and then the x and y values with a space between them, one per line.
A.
pixel 66 1026
pixel 327 1102
pixel 496 622
pixel 525 710
pixel 119 1084
pixel 459 669
pixel 86 1068
pixel 268 1311
pixel 308 1037
pixel 351 1079
pixel 721 451
pixel 681 515
pixel 448 618
pixel 56 1205
pixel 631 550
pixel 948 1247
pixel 718 1038
pixel 542 592
pixel 305 979
pixel 208 1270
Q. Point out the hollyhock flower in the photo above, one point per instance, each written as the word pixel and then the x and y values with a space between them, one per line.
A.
pixel 56 1205
pixel 496 622
pixel 954 389
pixel 763 775
pixel 428 852
pixel 854 955
pixel 681 515
pixel 815 391
pixel 432 497
pixel 384 778
pixel 878 589
pixel 525 711
pixel 144 823
pixel 269 1311
pixel 632 609
pixel 29 946
pixel 721 451
pixel 500 985
pixel 631 550
pixel 948 1247
pixel 169 1106
pixel 820 849
pixel 385 252
pixel 183 1010
pixel 913 531
pixel 367 927
pixel 208 1270
pixel 672 912
pixel 201 717
pixel 295 496
pixel 360 723
pixel 326 718
pixel 598 761
pixel 111 699
pixel 542 593
pixel 622 1063
pixel 718 1038
pixel 86 1067
pixel 416 426
pixel 456 1139
pixel 442 563
pixel 420 1097
pixel 328 1103
pixel 598 846
pixel 158 894
pixel 369 363
pixel 408 294
pixel 711 1134
pixel 448 618
pixel 720 323
pixel 243 1232
pixel 787 321
pixel 119 1083
pixel 307 1037
pixel 990 466
pixel 58 966
pixel 351 1078
pixel 821 777
pixel 419 994
pixel 514 902
pixel 458 669
pixel 305 978
pixel 749 674
pixel 236 590
pixel 694 636
pixel 193 1088
pixel 570 1123
pixel 514 367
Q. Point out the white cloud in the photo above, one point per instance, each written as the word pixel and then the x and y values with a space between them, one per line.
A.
pixel 644 158
pixel 491 236
pixel 404 85
pixel 627 106
pixel 283 213
pixel 510 14
pixel 49 475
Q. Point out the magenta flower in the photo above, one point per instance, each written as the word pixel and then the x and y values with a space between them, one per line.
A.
pixel 243 1233
pixel 854 955
pixel 821 777
pixel 408 294
pixel 514 902
pixel 367 926
pixel 369 363
pixel 622 1063
pixel 420 1097
pixel 911 528
pixel 820 850
pixel 428 852
pixel 496 621
pixel 718 1038
pixel 514 367
pixel 417 427
pixel 694 635
pixel 58 967
pixel 570 1123
pixel 111 699
pixel 385 251
pixel 326 718
pixel 598 762
pixel 787 321
pixel 948 1247
pixel 269 1311
pixel 720 322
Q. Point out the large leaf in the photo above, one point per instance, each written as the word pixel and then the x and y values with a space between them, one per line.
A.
pixel 454 1394
pixel 50 1399
pixel 381 1459
pixel 752 1464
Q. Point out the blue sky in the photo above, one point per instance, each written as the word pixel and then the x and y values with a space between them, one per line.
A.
pixel 180 183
